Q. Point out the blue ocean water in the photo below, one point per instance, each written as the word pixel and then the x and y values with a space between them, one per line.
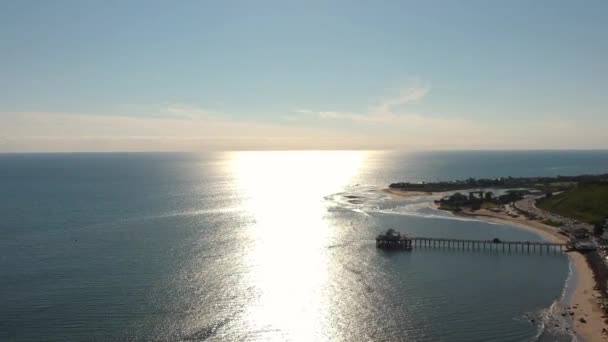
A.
pixel 260 246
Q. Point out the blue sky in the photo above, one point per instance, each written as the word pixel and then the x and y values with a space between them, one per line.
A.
pixel 162 75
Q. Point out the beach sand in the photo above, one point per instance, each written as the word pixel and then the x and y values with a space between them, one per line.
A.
pixel 583 301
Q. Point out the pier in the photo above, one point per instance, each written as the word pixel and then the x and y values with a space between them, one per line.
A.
pixel 395 240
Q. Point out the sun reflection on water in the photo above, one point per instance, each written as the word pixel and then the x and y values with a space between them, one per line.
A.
pixel 284 194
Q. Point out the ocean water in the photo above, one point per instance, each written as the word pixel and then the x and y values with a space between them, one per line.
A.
pixel 263 246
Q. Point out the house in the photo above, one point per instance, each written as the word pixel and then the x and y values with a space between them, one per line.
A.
pixel 585 245
pixel 579 233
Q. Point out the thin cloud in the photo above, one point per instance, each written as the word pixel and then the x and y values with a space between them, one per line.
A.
pixel 393 111
pixel 384 112
pixel 406 96
pixel 388 125
pixel 189 128
pixel 191 112
pixel 303 111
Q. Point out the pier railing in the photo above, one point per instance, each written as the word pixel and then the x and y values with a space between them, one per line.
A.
pixel 473 245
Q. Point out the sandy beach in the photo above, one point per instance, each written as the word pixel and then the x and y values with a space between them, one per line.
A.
pixel 583 302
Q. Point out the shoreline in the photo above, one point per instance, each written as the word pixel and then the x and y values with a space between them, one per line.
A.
pixel 582 301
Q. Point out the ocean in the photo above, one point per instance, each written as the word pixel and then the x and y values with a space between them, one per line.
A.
pixel 264 246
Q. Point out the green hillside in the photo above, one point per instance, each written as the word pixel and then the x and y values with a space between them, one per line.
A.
pixel 587 203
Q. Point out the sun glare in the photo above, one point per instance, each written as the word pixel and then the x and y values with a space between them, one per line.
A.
pixel 284 192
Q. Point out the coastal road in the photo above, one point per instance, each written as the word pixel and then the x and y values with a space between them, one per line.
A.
pixel 528 205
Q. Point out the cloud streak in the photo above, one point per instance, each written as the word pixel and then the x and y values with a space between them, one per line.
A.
pixel 393 112
pixel 389 124
pixel 388 111
pixel 406 96
pixel 184 128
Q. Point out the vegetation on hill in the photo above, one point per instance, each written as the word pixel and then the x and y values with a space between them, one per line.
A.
pixel 478 200
pixel 547 184
pixel 588 202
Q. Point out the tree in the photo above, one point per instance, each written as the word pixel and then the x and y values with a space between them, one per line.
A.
pixel 458 198
pixel 598 228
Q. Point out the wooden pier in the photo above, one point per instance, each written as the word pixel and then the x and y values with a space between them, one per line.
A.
pixel 394 240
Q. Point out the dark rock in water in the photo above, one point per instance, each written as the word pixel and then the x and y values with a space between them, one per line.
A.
pixel 557 325
pixel 571 313
pixel 532 320
pixel 563 314
pixel 582 320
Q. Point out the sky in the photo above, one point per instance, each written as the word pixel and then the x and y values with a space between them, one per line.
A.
pixel 246 75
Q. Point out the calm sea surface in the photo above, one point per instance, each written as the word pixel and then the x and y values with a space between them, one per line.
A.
pixel 262 246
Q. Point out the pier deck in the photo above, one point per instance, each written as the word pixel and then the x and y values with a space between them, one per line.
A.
pixel 407 242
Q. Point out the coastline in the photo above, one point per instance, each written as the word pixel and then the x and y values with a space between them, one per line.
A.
pixel 583 300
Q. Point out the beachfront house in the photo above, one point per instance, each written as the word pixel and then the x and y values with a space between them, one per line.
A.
pixel 579 233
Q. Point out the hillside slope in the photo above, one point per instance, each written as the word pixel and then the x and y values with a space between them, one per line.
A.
pixel 587 203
